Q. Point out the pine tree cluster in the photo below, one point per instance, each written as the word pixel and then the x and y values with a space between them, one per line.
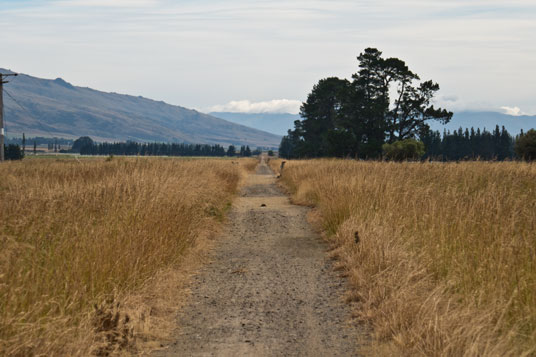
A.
pixel 469 144
pixel 160 149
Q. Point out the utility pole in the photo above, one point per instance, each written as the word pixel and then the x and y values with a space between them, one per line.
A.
pixel 2 133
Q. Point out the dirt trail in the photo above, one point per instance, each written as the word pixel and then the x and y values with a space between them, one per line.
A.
pixel 269 289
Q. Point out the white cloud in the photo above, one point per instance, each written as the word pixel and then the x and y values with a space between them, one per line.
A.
pixel 450 98
pixel 108 3
pixel 512 111
pixel 271 106
pixel 197 53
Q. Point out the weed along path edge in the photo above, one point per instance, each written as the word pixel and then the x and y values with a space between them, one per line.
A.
pixel 269 288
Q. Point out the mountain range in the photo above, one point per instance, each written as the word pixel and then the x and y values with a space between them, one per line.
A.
pixel 270 122
pixel 280 123
pixel 487 120
pixel 43 107
pixel 56 108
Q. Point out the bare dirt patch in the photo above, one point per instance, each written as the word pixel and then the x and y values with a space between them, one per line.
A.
pixel 269 289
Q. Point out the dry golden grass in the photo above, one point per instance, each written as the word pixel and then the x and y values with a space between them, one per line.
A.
pixel 79 237
pixel 441 258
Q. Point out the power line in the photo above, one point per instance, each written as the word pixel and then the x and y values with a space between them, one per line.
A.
pixel 2 128
pixel 2 131
pixel 28 112
pixel 20 105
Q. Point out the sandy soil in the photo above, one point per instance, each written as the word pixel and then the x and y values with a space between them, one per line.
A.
pixel 269 289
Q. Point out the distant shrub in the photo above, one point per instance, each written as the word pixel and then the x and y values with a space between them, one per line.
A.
pixel 525 146
pixel 409 149
pixel 270 153
pixel 13 152
pixel 82 142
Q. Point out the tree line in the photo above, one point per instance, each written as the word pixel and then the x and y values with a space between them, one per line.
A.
pixel 40 140
pixel 88 147
pixel 469 144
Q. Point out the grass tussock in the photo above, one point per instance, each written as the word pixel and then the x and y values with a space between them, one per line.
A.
pixel 441 258
pixel 77 237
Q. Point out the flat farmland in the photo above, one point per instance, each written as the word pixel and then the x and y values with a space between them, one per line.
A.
pixel 123 255
pixel 78 238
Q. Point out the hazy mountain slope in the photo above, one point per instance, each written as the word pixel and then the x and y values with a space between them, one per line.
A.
pixel 280 123
pixel 56 108
pixel 270 122
pixel 488 120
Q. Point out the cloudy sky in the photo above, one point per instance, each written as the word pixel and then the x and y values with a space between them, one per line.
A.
pixel 262 56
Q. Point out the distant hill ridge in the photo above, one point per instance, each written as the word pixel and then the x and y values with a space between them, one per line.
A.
pixel 280 123
pixel 271 122
pixel 488 120
pixel 57 108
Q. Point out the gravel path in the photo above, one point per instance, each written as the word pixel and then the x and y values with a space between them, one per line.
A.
pixel 269 290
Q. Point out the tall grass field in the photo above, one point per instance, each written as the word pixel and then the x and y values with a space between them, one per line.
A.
pixel 77 236
pixel 440 257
